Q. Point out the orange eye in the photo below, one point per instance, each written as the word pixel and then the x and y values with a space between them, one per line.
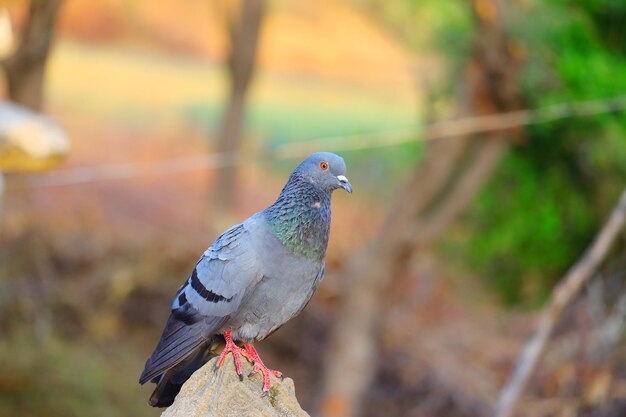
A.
pixel 324 165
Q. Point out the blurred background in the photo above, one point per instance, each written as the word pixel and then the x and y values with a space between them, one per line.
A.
pixel 485 141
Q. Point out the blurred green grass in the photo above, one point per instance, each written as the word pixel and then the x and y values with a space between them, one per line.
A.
pixel 69 378
pixel 155 89
pixel 125 85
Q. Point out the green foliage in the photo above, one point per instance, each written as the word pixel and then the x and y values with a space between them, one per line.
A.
pixel 530 223
pixel 425 24
pixel 551 193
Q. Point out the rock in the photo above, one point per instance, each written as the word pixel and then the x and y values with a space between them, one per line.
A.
pixel 212 392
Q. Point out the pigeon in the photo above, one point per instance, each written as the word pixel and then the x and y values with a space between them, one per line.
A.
pixel 255 277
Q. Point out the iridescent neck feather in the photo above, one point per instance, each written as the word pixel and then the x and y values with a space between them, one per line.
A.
pixel 300 217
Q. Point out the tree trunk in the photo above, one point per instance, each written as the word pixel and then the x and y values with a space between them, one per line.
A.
pixel 244 38
pixel 25 69
pixel 452 173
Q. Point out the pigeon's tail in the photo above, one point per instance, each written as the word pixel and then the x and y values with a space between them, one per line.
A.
pixel 182 335
pixel 171 381
pixel 178 341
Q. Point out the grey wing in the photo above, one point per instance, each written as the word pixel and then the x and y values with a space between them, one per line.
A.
pixel 224 275
pixel 222 278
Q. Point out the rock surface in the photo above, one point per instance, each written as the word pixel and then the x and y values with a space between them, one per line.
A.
pixel 218 392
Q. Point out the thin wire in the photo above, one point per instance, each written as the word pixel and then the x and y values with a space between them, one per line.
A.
pixel 439 130
pixel 84 175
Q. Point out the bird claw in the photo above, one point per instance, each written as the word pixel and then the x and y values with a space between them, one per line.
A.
pixel 256 368
pixel 259 366
pixel 250 353
pixel 237 352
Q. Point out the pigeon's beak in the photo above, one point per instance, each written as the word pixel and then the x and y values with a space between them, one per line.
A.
pixel 344 183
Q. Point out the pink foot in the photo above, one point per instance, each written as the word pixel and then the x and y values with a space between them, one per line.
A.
pixel 236 351
pixel 253 355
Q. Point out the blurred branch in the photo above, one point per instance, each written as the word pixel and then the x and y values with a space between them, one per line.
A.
pixel 562 295
pixel 1 195
pixel 601 340
pixel 25 67
pixel 457 199
pixel 244 34
pixel 464 126
pixel 509 120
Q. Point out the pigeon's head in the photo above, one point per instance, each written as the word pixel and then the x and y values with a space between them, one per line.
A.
pixel 326 170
